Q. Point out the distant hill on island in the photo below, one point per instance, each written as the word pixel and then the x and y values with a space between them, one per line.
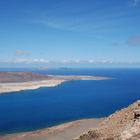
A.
pixel 17 77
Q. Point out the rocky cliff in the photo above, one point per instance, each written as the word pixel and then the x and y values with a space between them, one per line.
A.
pixel 122 125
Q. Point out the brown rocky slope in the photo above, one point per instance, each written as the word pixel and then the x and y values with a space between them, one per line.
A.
pixel 122 125
pixel 14 77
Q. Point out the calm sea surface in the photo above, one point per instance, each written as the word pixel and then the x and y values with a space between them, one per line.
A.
pixel 45 107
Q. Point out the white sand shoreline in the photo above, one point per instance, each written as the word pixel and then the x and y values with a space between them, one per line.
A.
pixel 15 87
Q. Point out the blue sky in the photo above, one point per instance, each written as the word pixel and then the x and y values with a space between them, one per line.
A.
pixel 69 33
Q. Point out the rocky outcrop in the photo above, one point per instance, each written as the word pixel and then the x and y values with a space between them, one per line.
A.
pixel 122 125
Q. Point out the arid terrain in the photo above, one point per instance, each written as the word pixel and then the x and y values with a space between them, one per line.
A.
pixel 17 81
pixel 18 77
pixel 121 125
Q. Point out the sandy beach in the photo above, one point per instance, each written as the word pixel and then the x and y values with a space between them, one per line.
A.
pixel 66 131
pixel 14 87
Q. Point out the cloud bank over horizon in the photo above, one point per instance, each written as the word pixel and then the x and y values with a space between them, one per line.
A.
pixel 71 32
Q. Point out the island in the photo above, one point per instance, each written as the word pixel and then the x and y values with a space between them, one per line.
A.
pixel 18 81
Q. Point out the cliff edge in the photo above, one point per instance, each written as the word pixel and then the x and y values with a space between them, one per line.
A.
pixel 121 125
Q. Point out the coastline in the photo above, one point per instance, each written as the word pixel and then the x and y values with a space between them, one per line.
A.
pixel 70 129
pixel 54 80
pixel 66 131
pixel 15 87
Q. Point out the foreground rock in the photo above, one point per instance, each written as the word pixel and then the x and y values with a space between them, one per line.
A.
pixel 122 125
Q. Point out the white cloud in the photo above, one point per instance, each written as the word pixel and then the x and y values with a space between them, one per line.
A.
pixel 22 52
pixel 57 24
pixel 61 62
pixel 28 61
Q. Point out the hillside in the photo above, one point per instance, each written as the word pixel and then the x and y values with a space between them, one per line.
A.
pixel 17 77
pixel 122 125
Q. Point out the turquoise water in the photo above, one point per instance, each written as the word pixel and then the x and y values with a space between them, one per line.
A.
pixel 45 107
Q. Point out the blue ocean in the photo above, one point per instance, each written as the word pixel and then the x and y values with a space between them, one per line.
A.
pixel 36 109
